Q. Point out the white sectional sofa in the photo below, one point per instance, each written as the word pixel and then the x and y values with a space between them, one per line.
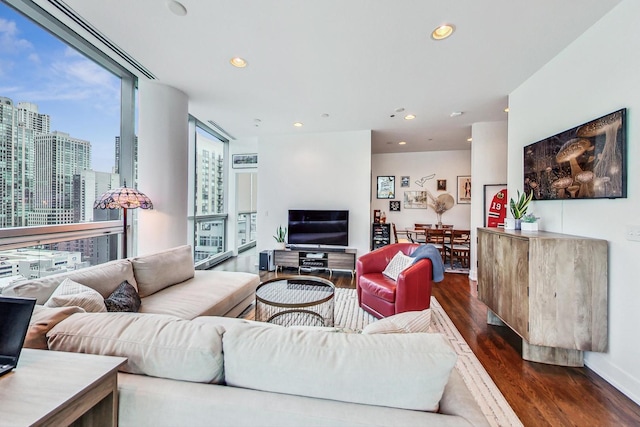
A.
pixel 166 281
pixel 187 365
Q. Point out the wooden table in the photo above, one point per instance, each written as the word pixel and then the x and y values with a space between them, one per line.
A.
pixel 51 388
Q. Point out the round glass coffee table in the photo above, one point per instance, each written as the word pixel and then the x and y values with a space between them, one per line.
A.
pixel 296 300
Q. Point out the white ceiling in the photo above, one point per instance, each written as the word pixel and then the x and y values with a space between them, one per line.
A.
pixel 356 60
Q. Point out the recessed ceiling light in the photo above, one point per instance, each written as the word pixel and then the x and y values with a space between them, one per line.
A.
pixel 176 8
pixel 469 139
pixel 409 117
pixel 443 31
pixel 238 62
pixel 325 115
pixel 298 124
pixel 506 110
pixel 399 110
pixel 402 143
pixel 455 114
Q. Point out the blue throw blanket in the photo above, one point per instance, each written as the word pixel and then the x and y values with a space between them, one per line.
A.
pixel 431 252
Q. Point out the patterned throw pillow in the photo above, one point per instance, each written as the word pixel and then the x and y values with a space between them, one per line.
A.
pixel 124 298
pixel 70 293
pixel 398 263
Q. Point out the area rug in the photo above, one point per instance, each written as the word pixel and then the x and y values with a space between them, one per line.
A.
pixel 496 409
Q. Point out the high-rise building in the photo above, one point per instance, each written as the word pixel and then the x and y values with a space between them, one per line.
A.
pixel 87 185
pixel 209 197
pixel 18 128
pixel 116 168
pixel 58 157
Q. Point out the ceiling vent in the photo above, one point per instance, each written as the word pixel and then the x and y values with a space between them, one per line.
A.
pixel 71 14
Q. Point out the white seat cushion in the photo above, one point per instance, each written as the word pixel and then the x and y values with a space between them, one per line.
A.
pixel 406 371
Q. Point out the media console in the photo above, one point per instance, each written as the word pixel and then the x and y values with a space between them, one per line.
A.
pixel 328 259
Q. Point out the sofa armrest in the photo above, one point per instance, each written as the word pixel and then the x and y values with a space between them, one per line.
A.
pixel 414 284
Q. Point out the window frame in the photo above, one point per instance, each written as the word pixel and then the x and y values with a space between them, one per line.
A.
pixel 18 237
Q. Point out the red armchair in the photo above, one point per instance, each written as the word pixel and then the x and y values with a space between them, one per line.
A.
pixel 382 296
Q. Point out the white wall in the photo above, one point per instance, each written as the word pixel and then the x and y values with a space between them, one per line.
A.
pixel 444 164
pixel 314 171
pixel 488 166
pixel 598 74
pixel 162 166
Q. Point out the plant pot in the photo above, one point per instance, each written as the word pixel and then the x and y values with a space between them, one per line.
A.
pixel 281 245
pixel 511 224
pixel 529 226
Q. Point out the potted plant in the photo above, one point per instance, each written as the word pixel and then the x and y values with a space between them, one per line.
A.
pixel 518 208
pixel 529 222
pixel 281 234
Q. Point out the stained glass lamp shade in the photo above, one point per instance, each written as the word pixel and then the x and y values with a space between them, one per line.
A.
pixel 123 198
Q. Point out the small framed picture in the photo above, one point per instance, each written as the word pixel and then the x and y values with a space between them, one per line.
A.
pixel 240 161
pixel 404 181
pixel 386 187
pixel 394 206
pixel 442 185
pixel 464 189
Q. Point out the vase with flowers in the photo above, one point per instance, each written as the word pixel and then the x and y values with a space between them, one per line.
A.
pixel 440 204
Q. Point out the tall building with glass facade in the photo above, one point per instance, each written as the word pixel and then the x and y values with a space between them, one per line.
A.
pixel 19 125
pixel 58 157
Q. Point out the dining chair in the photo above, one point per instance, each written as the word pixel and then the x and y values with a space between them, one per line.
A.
pixel 458 247
pixel 402 239
pixel 437 237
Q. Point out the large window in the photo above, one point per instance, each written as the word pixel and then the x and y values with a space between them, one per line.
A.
pixel 66 136
pixel 209 190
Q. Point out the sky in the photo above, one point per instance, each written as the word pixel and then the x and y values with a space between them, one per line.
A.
pixel 82 98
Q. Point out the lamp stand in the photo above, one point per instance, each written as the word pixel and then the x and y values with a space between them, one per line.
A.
pixel 124 234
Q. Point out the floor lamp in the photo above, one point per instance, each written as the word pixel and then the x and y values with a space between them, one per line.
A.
pixel 123 198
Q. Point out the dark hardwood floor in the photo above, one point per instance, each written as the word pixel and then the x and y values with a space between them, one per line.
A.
pixel 541 395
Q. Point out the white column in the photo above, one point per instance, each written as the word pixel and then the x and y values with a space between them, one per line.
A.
pixel 488 166
pixel 162 166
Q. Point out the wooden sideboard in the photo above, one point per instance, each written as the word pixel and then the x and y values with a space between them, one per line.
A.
pixel 550 288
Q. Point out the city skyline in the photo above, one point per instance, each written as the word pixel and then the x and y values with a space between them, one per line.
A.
pixel 82 98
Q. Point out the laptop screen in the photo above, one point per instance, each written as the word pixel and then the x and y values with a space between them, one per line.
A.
pixel 15 314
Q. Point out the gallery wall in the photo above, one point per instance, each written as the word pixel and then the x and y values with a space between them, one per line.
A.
pixel 424 170
pixel 597 74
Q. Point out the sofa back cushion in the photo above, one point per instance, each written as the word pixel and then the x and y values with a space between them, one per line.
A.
pixel 406 371
pixel 104 278
pixel 154 344
pixel 157 271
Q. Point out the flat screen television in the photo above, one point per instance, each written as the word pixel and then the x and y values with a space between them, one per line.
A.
pixel 318 227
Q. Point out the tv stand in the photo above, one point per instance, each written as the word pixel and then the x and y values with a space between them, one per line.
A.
pixel 316 258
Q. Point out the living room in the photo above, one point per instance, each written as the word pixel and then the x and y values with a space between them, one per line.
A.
pixel 594 75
